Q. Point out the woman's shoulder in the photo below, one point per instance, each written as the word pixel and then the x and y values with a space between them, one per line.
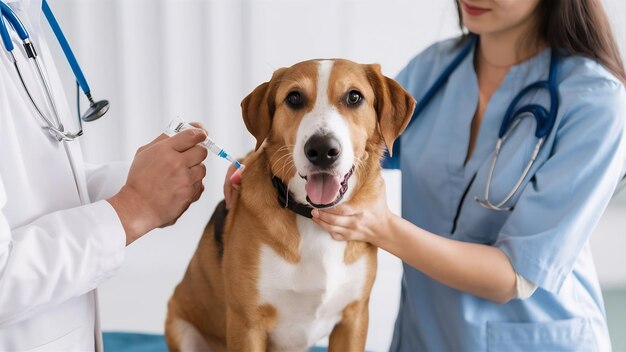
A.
pixel 583 75
pixel 587 88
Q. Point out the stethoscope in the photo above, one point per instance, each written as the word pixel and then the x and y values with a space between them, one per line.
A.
pixel 545 119
pixel 56 128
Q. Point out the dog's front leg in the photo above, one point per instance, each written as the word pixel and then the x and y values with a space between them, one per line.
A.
pixel 350 333
pixel 243 334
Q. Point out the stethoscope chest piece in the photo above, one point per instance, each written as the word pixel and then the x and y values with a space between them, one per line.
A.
pixel 96 110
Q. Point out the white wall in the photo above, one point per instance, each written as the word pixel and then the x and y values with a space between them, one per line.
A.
pixel 156 59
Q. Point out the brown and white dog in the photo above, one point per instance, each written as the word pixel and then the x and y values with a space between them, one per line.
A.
pixel 263 277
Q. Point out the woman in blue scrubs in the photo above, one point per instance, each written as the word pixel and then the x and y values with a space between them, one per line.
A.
pixel 478 279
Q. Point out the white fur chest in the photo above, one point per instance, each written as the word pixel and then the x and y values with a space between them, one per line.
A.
pixel 311 295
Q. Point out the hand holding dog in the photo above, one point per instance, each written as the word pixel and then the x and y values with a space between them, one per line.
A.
pixel 231 185
pixel 368 222
pixel 344 223
pixel 164 179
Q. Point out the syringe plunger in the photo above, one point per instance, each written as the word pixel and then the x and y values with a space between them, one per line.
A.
pixel 178 125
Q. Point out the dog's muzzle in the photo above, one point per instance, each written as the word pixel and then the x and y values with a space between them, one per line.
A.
pixel 325 190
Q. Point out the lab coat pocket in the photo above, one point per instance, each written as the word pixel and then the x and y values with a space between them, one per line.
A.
pixel 67 342
pixel 560 335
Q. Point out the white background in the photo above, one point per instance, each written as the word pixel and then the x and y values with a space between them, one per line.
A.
pixel 158 59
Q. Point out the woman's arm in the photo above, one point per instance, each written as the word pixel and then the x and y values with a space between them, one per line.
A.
pixel 478 269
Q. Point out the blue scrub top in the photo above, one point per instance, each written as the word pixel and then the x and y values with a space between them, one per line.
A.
pixel 546 236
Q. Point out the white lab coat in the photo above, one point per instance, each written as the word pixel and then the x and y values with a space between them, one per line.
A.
pixel 54 251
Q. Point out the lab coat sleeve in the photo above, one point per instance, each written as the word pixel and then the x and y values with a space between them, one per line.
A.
pixel 56 257
pixel 105 180
pixel 561 205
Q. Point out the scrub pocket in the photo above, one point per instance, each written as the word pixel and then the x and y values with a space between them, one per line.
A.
pixel 560 335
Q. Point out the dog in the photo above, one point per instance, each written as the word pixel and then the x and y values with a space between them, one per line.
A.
pixel 265 277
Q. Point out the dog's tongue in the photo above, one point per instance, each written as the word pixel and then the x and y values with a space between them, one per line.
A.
pixel 322 188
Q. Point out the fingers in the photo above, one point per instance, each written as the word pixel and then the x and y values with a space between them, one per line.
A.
pixel 344 210
pixel 159 138
pixel 231 185
pixel 171 164
pixel 199 189
pixel 198 125
pixel 197 173
pixel 235 178
pixel 337 225
pixel 334 219
pixel 336 232
pixel 341 222
pixel 195 155
pixel 187 139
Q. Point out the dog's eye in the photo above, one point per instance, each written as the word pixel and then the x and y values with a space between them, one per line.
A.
pixel 354 97
pixel 295 100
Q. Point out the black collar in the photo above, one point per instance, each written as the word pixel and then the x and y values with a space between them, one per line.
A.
pixel 285 198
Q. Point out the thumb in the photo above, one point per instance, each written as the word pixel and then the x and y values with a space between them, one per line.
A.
pixel 186 139
pixel 235 178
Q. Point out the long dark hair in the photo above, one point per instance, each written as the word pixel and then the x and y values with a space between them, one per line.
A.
pixel 577 27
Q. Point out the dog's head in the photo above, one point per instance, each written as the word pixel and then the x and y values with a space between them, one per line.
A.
pixel 323 123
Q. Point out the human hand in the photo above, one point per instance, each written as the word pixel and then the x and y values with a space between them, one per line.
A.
pixel 164 179
pixel 231 185
pixel 368 222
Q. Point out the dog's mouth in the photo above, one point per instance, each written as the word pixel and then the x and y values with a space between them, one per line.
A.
pixel 324 190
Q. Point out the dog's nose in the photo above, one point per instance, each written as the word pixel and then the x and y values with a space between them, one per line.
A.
pixel 322 150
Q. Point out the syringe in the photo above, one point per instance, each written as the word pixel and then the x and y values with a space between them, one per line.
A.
pixel 178 125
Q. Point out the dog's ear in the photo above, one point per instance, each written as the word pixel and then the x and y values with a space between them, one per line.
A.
pixel 256 113
pixel 258 108
pixel 393 104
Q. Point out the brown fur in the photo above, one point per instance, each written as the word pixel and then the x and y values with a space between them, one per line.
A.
pixel 220 297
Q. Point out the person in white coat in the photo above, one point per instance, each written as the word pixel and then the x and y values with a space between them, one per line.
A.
pixel 54 248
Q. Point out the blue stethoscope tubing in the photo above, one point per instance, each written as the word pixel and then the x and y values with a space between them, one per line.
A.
pixel 544 123
pixel 96 109
pixel 65 46
pixel 545 119
pixel 56 129
pixel 19 27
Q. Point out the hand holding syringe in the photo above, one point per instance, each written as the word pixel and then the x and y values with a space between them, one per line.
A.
pixel 178 125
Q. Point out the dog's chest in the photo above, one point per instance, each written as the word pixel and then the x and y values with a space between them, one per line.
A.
pixel 311 295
